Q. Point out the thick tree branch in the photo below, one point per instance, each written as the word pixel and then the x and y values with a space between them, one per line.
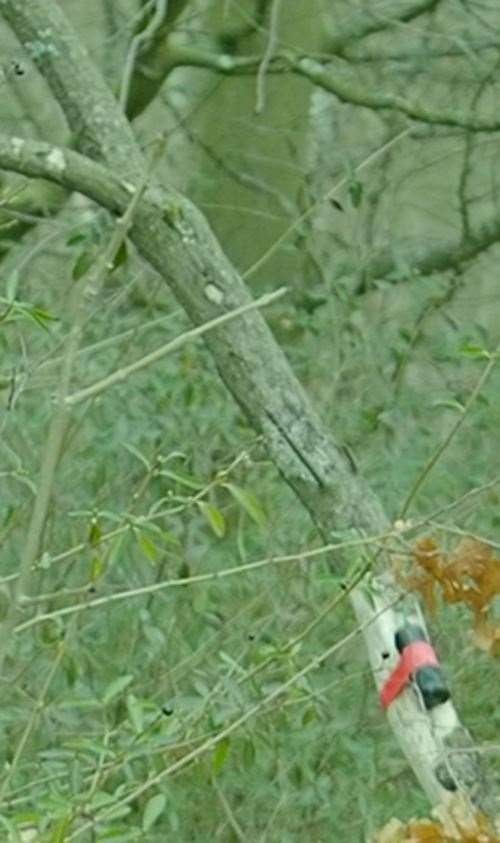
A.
pixel 427 258
pixel 329 74
pixel 248 359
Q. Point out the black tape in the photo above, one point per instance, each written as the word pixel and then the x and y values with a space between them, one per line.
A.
pixel 429 680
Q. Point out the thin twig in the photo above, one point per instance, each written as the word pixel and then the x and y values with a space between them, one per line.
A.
pixel 184 581
pixel 451 433
pixel 233 822
pixel 122 374
pixel 35 713
pixel 137 42
pixel 326 610
pixel 468 534
pixel 260 82
pixel 471 493
pixel 374 156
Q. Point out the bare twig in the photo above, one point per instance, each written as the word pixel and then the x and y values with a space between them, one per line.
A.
pixel 451 433
pixel 122 374
pixel 370 159
pixel 30 723
pixel 137 43
pixel 260 82
pixel 164 585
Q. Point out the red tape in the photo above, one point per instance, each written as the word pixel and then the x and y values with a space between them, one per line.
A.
pixel 416 655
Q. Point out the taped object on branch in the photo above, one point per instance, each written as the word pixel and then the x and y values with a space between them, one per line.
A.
pixel 418 663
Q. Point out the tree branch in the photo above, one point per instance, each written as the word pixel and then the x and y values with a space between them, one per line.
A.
pixel 325 74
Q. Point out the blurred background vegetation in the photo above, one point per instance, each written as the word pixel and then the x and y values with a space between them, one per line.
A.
pixel 393 305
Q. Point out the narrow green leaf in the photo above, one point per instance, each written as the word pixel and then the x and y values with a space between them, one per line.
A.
pixel 96 568
pixel 41 317
pixel 184 571
pixel 249 502
pixel 169 538
pixel 309 716
pixel 11 286
pixel 449 405
pixel 248 753
pixel 59 831
pixel 475 352
pixel 116 687
pixel 75 239
pixel 71 669
pixel 220 755
pixel 214 517
pixel 114 554
pixel 148 547
pixel 82 264
pixel 120 256
pixel 153 810
pixel 356 193
pixel 134 709
pixel 181 478
pixel 95 532
pixel 135 451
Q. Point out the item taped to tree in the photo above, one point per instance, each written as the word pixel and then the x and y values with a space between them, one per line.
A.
pixel 418 662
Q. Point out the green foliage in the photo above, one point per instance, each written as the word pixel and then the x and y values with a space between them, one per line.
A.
pixel 161 480
pixel 153 811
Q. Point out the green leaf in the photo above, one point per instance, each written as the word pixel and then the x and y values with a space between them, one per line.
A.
pixel 71 669
pixel 75 239
pixel 96 568
pixel 214 517
pixel 356 193
pixel 220 755
pixel 248 753
pixel 184 571
pixel 59 831
pixel 135 451
pixel 85 745
pixel 248 502
pixel 82 264
pixel 134 709
pixel 153 810
pixel 148 547
pixel 95 532
pixel 169 538
pixel 449 405
pixel 474 352
pixel 181 478
pixel 309 716
pixel 121 833
pixel 116 687
pixel 121 256
pixel 11 286
pixel 115 552
pixel 41 317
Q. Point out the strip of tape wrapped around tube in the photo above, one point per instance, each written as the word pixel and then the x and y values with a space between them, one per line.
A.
pixel 418 662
